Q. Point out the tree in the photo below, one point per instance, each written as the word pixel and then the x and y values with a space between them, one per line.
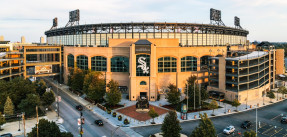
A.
pixel 153 114
pixel 47 129
pixel 213 105
pixel 196 93
pixel 170 126
pixel 8 107
pixel 271 95
pixel 249 134
pixel 236 103
pixel 29 104
pixel 114 96
pixel 205 128
pixel 41 87
pixel 2 120
pixel 282 90
pixel 94 86
pixel 77 79
pixel 173 96
pixel 48 98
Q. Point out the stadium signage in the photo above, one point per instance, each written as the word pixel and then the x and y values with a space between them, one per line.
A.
pixel 143 65
pixel 142 49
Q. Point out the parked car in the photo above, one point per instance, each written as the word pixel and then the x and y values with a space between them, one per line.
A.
pixel 284 120
pixel 6 135
pixel 99 122
pixel 228 130
pixel 79 107
pixel 246 124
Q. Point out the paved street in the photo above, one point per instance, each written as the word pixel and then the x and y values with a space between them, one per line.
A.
pixel 70 115
pixel 268 116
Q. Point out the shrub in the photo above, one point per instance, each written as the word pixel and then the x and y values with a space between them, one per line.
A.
pixel 114 114
pixel 126 121
pixel 120 117
pixel 109 111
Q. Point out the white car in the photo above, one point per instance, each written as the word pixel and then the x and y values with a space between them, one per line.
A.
pixel 228 130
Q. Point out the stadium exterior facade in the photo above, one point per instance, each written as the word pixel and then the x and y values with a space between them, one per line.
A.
pixel 145 57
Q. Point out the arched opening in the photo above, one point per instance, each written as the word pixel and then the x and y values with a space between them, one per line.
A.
pixel 188 63
pixel 120 64
pixel 82 62
pixel 142 83
pixel 99 63
pixel 204 62
pixel 71 60
pixel 167 64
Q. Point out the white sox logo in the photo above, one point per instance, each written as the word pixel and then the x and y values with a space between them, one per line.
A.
pixel 143 66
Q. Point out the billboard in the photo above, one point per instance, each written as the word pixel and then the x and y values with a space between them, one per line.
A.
pixel 74 15
pixel 236 21
pixel 44 69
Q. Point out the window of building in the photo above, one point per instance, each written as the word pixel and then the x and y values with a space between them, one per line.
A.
pixel 142 83
pixel 120 64
pixel 82 62
pixel 188 63
pixel 167 64
pixel 143 65
pixel 71 60
pixel 99 63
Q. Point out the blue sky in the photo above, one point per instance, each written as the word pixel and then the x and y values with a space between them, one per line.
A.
pixel 265 19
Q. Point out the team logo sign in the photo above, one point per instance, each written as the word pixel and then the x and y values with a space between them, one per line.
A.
pixel 142 62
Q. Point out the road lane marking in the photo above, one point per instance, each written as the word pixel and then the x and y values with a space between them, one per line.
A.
pixel 267 130
pixel 275 117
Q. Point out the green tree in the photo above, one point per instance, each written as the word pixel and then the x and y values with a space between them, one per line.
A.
pixel 170 126
pixel 249 134
pixel 29 104
pixel 2 120
pixel 282 90
pixel 40 87
pixel 235 103
pixel 153 114
pixel 94 86
pixel 66 134
pixel 271 95
pixel 213 105
pixel 173 96
pixel 8 107
pixel 196 93
pixel 48 98
pixel 77 79
pixel 205 128
pixel 114 96
pixel 46 129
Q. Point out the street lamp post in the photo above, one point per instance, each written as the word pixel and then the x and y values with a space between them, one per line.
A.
pixel 256 119
pixel 58 100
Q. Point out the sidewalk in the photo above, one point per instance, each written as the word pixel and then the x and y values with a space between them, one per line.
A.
pixel 12 127
pixel 97 111
pixel 159 120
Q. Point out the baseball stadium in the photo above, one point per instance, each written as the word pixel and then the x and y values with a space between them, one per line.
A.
pixel 146 57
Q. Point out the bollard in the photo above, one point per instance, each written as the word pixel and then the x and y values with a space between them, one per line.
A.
pixel 257 104
pixel 250 106
pixel 228 110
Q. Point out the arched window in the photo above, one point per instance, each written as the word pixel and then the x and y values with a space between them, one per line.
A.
pixel 143 65
pixel 142 83
pixel 120 64
pixel 204 62
pixel 167 64
pixel 99 63
pixel 188 63
pixel 82 62
pixel 71 60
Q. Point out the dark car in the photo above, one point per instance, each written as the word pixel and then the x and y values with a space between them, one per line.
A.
pixel 79 107
pixel 284 120
pixel 99 122
pixel 246 124
pixel 6 135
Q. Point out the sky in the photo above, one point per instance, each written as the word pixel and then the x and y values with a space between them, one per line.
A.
pixel 266 20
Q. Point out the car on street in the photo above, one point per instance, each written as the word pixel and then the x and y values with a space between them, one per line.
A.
pixel 246 124
pixel 6 135
pixel 229 130
pixel 284 120
pixel 79 107
pixel 99 122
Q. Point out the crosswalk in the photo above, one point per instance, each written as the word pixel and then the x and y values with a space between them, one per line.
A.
pixel 62 128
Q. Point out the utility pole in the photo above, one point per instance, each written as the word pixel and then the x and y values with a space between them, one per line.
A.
pixel 256 121
pixel 37 121
pixel 194 95
pixel 187 96
pixel 81 128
